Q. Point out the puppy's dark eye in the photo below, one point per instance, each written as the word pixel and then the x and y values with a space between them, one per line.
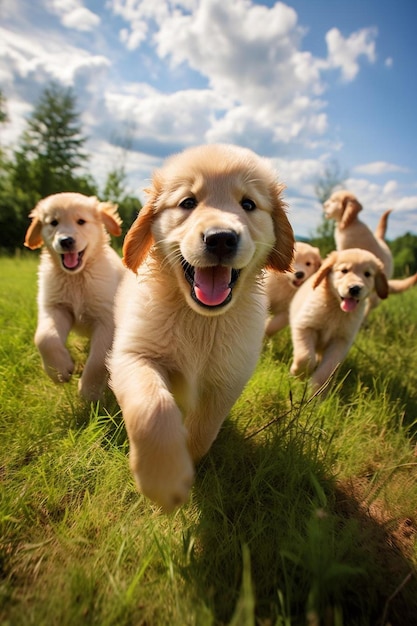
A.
pixel 367 274
pixel 188 203
pixel 308 263
pixel 248 204
pixel 344 270
pixel 54 222
pixel 81 221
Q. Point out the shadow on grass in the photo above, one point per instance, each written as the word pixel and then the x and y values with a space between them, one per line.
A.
pixel 314 545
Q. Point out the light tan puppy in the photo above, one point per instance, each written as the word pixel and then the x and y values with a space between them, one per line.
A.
pixel 281 287
pixel 351 232
pixel 78 277
pixel 327 311
pixel 189 326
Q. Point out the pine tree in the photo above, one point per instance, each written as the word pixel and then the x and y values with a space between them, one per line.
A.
pixel 51 156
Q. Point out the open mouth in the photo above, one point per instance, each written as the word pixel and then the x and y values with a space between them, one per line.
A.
pixel 211 286
pixel 349 304
pixel 72 261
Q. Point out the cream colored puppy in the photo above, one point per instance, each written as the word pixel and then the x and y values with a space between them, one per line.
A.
pixel 190 315
pixel 78 277
pixel 327 311
pixel 351 232
pixel 281 287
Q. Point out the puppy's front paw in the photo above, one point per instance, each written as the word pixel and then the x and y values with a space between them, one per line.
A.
pixel 166 477
pixel 61 370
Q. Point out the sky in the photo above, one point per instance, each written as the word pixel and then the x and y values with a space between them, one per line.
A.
pixel 306 83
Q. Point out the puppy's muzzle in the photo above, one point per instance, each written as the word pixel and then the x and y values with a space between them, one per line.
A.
pixel 212 284
pixel 350 302
pixel 220 243
pixel 67 243
pixel 71 259
pixel 354 291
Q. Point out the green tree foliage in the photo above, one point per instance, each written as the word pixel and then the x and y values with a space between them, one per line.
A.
pixel 3 109
pixel 51 155
pixel 49 159
pixel 115 191
pixel 404 250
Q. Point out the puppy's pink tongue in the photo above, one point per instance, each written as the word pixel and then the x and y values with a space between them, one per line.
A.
pixel 348 304
pixel 211 284
pixel 71 259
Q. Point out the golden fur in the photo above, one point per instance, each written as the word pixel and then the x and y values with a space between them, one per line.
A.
pixel 78 277
pixel 327 311
pixel 189 325
pixel 351 232
pixel 280 287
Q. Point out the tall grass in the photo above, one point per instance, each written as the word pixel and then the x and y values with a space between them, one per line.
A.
pixel 303 512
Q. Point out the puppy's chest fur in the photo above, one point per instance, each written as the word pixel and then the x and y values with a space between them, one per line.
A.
pixel 80 294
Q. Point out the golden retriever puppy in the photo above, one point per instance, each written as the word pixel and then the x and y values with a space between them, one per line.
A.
pixel 190 315
pixel 327 311
pixel 351 232
pixel 281 287
pixel 78 277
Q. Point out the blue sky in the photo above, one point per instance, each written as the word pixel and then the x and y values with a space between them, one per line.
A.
pixel 304 82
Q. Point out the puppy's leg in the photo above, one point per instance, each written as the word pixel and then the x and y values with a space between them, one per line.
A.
pixel 159 456
pixel 94 376
pixel 204 423
pixel 332 357
pixel 304 351
pixel 276 323
pixel 51 334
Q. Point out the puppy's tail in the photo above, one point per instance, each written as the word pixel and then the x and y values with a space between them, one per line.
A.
pixel 381 229
pixel 399 285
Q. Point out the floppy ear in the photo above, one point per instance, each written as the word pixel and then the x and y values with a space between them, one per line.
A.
pixel 110 217
pixel 139 239
pixel 281 256
pixel 318 261
pixel 351 208
pixel 324 269
pixel 33 238
pixel 381 284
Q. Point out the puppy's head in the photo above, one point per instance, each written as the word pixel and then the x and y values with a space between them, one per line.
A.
pixel 214 219
pixel 343 207
pixel 307 260
pixel 352 275
pixel 72 226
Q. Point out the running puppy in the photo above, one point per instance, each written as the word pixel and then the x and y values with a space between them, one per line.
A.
pixel 327 311
pixel 351 232
pixel 190 314
pixel 281 287
pixel 78 277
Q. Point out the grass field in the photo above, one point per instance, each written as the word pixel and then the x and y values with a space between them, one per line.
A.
pixel 304 512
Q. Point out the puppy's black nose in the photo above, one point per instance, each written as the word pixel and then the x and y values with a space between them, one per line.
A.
pixel 354 291
pixel 222 243
pixel 299 275
pixel 67 243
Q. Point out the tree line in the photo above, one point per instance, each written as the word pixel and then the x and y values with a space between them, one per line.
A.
pixel 50 157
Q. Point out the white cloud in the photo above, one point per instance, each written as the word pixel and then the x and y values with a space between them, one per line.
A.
pixel 272 88
pixel 138 14
pixel 177 119
pixel 408 203
pixel 344 53
pixel 41 61
pixel 378 167
pixel 74 14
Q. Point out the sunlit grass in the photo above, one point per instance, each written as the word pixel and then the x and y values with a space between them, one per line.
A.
pixel 303 512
